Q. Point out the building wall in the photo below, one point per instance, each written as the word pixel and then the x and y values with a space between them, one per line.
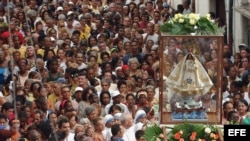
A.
pixel 240 25
pixel 201 6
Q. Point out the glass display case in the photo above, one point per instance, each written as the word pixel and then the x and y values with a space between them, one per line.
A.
pixel 191 79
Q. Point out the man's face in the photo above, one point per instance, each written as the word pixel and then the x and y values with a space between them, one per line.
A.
pixel 66 94
pixel 16 41
pixel 8 112
pixel 243 53
pixel 37 119
pixel 82 80
pixel 79 58
pixel 65 128
pixel 2 122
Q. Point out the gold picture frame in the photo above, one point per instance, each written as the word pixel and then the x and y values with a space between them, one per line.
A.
pixel 207 54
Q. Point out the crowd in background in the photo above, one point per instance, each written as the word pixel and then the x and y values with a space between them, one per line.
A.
pixel 89 69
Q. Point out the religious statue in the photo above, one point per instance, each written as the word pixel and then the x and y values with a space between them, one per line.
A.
pixel 187 80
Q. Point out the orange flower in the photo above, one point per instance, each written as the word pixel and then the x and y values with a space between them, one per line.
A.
pixel 192 137
pixel 181 139
pixel 177 136
pixel 194 134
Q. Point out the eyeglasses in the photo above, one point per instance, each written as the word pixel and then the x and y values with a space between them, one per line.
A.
pixel 74 75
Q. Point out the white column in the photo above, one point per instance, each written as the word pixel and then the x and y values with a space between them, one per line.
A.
pixel 202 7
pixel 239 26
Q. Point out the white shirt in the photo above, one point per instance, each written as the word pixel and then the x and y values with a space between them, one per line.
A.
pixel 107 134
pixel 82 66
pixel 154 37
pixel 129 134
pixel 70 137
pixel 246 97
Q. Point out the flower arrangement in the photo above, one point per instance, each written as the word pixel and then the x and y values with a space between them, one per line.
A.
pixel 191 24
pixel 184 132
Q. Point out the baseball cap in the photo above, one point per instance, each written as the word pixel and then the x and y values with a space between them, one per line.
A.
pixel 78 89
pixel 115 93
pixel 244 47
pixel 60 8
pixel 70 13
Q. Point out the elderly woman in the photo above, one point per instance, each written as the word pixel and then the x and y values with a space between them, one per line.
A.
pixel 85 101
pixel 134 65
pixel 141 99
pixel 90 113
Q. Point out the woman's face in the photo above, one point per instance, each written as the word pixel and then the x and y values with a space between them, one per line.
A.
pixel 241 108
pixel 130 100
pixel 50 55
pixel 61 54
pixel 142 98
pixel 213 54
pixel 72 121
pixel 236 59
pixel 106 99
pixel 92 42
pixel 133 65
pixel 120 45
pixel 92 60
pixel 150 44
pixel 44 92
pixel 145 75
pixel 68 106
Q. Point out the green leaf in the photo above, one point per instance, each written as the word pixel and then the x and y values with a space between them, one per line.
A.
pixel 152 132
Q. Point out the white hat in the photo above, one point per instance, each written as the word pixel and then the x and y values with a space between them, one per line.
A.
pixel 115 93
pixel 71 3
pixel 139 114
pixel 154 47
pixel 80 16
pixel 78 89
pixel 95 48
pixel 60 8
pixel 70 13
pixel 52 39
pixel 117 115
pixel 101 34
pixel 108 118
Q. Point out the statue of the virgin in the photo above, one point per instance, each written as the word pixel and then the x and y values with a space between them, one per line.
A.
pixel 189 79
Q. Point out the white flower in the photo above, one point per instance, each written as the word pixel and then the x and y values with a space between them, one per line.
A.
pixel 181 132
pixel 207 130
pixel 181 20
pixel 192 22
pixel 197 17
pixel 192 16
pixel 157 139
pixel 176 17
pixel 208 16
pixel 195 27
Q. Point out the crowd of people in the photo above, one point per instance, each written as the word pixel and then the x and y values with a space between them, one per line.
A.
pixel 80 69
pixel 83 70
